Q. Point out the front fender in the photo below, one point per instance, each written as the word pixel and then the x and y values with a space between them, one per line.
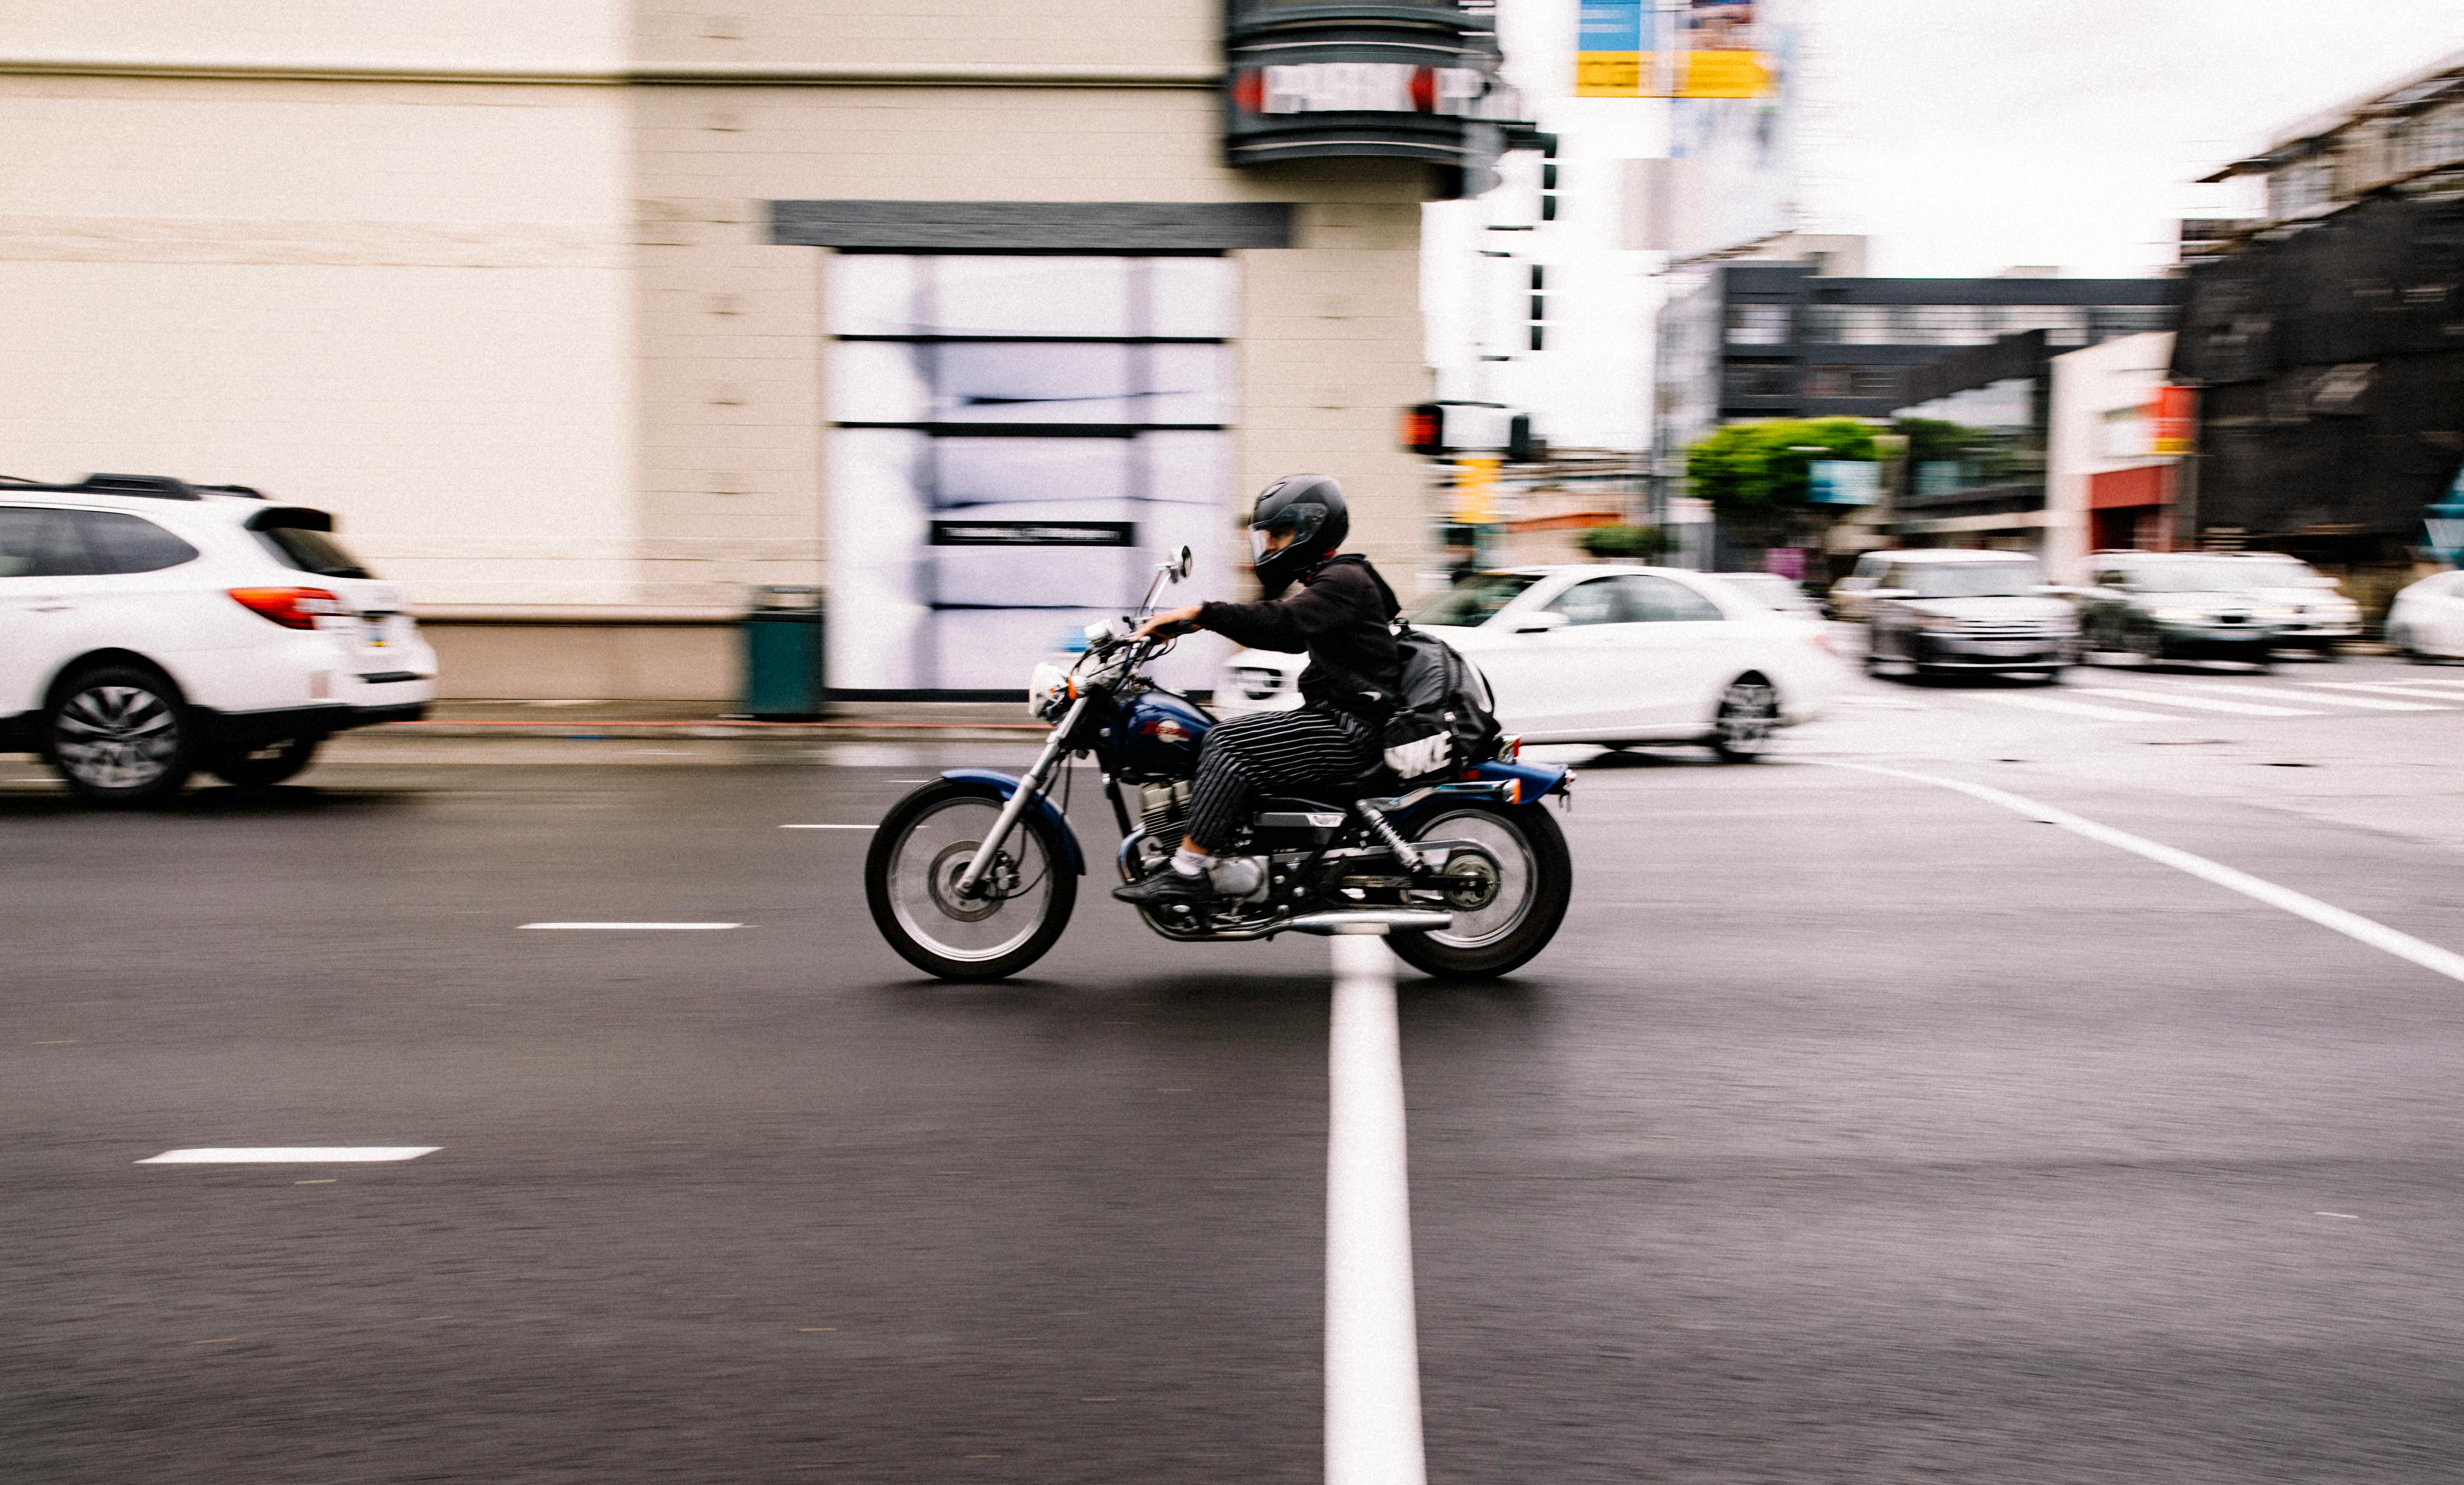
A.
pixel 1009 785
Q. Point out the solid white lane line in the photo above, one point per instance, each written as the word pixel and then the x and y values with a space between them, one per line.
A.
pixel 2195 703
pixel 288 1154
pixel 1372 1349
pixel 828 827
pixel 2079 708
pixel 647 927
pixel 2315 699
pixel 2352 924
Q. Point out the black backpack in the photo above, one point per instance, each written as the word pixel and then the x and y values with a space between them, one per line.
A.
pixel 1442 722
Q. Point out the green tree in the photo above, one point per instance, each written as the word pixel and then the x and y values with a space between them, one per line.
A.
pixel 1762 468
pixel 1625 543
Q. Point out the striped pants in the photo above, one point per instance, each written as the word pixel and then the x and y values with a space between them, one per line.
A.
pixel 1270 749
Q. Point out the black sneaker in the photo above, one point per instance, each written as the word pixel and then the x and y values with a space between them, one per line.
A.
pixel 1164 888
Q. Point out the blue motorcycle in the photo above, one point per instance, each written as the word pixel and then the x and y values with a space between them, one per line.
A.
pixel 974 876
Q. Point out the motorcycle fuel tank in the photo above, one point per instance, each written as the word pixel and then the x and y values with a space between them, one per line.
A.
pixel 1158 735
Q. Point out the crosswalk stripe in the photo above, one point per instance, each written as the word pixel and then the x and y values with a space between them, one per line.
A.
pixel 2362 685
pixel 2315 699
pixel 2080 709
pixel 2433 684
pixel 2195 703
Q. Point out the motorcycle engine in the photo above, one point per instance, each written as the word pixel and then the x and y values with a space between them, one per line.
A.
pixel 1164 809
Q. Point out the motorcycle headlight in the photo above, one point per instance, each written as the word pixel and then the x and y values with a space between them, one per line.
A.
pixel 1047 692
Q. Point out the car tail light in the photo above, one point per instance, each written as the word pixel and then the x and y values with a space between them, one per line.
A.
pixel 293 608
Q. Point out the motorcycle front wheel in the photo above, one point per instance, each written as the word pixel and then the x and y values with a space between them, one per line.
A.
pixel 1535 878
pixel 911 880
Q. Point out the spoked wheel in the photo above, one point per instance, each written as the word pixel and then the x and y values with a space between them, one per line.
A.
pixel 1749 714
pixel 1504 915
pixel 264 765
pixel 120 737
pixel 911 879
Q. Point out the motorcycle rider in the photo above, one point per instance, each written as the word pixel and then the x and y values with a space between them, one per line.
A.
pixel 1341 615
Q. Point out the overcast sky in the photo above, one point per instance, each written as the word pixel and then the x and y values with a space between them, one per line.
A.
pixel 1964 139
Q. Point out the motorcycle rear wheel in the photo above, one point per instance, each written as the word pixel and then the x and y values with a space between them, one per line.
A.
pixel 910 883
pixel 1537 880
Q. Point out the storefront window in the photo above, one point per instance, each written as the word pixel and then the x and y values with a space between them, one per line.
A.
pixel 1017 440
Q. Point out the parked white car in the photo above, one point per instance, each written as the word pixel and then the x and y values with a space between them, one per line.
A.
pixel 150 628
pixel 2427 619
pixel 1612 655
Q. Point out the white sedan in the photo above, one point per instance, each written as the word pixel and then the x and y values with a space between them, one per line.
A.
pixel 2427 619
pixel 1610 655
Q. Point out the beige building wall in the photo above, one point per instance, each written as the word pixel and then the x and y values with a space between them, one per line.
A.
pixel 496 285
pixel 733 349
pixel 407 303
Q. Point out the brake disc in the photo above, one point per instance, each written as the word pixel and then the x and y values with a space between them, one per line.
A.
pixel 998 884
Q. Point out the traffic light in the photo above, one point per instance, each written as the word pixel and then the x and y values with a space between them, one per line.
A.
pixel 1539 307
pixel 1548 178
pixel 1425 429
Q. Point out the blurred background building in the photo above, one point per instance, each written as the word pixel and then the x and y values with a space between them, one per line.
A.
pixel 2326 337
pixel 588 318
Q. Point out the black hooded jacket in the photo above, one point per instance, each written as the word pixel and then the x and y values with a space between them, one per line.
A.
pixel 1341 617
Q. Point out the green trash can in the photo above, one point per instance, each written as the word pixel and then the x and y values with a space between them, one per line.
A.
pixel 782 654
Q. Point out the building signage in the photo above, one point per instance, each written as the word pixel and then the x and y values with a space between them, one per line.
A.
pixel 1713 50
pixel 1035 534
pixel 2173 420
pixel 1844 482
pixel 1608 56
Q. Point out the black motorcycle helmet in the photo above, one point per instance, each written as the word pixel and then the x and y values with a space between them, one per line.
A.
pixel 1309 505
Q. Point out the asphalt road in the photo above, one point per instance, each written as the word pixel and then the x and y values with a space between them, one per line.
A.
pixel 1854 1129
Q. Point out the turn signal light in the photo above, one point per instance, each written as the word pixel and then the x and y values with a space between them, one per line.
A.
pixel 293 608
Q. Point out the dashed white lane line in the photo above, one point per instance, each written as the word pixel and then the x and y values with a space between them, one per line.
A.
pixel 828 827
pixel 641 928
pixel 2352 924
pixel 2195 703
pixel 1373 1350
pixel 2079 709
pixel 288 1154
pixel 2320 699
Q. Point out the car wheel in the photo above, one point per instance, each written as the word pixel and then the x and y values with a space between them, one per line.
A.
pixel 1749 716
pixel 2052 676
pixel 2146 644
pixel 119 735
pixel 264 767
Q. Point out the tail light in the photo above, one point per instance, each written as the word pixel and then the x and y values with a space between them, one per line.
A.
pixel 293 608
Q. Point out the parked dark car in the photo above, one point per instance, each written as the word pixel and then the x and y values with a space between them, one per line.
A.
pixel 2184 605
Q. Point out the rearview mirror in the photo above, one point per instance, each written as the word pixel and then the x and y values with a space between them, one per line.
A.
pixel 1540 623
pixel 1180 567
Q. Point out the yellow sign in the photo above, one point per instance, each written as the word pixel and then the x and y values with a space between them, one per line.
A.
pixel 1609 74
pixel 1476 490
pixel 1700 74
pixel 1725 75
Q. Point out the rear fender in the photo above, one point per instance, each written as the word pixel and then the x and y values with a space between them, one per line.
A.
pixel 1538 780
pixel 1009 785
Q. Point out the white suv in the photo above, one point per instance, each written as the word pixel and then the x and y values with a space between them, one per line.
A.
pixel 149 627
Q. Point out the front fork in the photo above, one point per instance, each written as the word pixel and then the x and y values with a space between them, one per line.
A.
pixel 1029 787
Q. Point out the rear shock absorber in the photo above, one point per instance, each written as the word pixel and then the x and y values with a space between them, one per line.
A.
pixel 1394 841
